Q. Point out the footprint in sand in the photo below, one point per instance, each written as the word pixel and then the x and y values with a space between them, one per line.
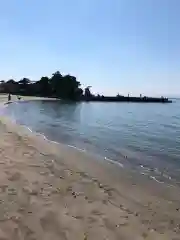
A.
pixel 14 177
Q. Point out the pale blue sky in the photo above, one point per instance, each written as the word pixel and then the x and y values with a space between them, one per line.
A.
pixel 113 45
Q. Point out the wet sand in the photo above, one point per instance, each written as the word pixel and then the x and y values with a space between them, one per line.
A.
pixel 51 191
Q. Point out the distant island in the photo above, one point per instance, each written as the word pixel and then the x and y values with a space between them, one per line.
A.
pixel 65 87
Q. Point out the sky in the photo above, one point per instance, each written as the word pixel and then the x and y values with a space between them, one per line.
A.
pixel 115 46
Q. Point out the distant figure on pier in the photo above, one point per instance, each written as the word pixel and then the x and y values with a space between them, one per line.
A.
pixel 9 97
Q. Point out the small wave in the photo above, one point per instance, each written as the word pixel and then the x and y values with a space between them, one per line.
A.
pixel 29 129
pixel 166 176
pixel 114 162
pixel 45 138
pixel 71 146
pixel 53 141
pixel 79 149
pixel 142 166
pixel 146 168
pixel 155 179
pixel 40 134
pixel 157 171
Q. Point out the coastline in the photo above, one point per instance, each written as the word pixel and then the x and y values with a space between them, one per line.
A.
pixel 49 190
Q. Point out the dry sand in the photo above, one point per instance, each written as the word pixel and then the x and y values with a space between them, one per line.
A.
pixel 50 191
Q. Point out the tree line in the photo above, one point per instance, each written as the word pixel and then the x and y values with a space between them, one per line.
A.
pixel 58 86
pixel 64 87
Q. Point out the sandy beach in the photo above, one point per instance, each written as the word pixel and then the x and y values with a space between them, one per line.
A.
pixel 51 191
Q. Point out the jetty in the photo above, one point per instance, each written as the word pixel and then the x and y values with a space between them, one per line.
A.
pixel 127 99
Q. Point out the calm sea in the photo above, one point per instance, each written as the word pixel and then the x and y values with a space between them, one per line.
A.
pixel 141 136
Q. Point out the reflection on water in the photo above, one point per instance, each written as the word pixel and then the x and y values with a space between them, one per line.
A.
pixel 141 136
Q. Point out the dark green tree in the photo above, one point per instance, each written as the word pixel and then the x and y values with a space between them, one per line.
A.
pixel 55 83
pixel 24 86
pixel 65 87
pixel 11 86
pixel 24 81
pixel 44 87
pixel 11 81
pixel 70 87
pixel 87 92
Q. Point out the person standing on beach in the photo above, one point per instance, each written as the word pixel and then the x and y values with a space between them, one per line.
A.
pixel 9 97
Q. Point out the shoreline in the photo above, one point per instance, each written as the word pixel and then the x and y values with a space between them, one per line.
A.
pixel 150 173
pixel 161 179
pixel 158 178
pixel 61 193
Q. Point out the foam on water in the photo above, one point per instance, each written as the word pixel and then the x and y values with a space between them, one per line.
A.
pixel 114 162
